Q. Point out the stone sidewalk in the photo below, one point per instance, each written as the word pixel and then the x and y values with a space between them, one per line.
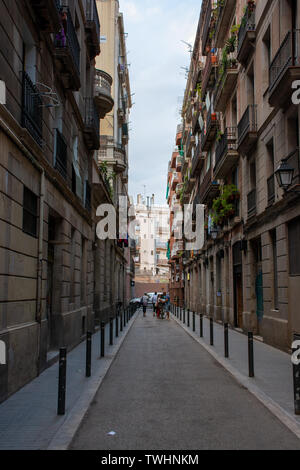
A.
pixel 28 419
pixel 273 380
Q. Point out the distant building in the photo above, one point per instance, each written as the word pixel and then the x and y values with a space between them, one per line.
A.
pixel 152 235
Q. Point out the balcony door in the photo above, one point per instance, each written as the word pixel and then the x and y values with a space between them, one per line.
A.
pixel 237 285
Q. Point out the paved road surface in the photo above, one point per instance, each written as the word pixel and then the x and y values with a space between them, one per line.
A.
pixel 164 391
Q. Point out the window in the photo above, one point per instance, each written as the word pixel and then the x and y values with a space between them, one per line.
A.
pixel 275 275
pixel 294 247
pixel 266 59
pixel 30 206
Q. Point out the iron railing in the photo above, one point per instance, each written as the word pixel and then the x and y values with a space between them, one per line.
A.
pixel 92 119
pixel 68 39
pixel 61 154
pixel 196 157
pixel 248 122
pixel 103 83
pixel 92 15
pixel 247 24
pixel 206 73
pixel 251 202
pixel 32 115
pixel 206 26
pixel 271 189
pixel 227 142
pixel 286 56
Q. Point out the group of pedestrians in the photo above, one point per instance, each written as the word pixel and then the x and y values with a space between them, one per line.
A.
pixel 160 304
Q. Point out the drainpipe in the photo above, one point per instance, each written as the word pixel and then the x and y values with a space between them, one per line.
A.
pixel 35 163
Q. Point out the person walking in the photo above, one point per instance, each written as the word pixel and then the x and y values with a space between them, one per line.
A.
pixel 154 302
pixel 145 303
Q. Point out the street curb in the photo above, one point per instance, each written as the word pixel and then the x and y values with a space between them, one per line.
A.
pixel 284 416
pixel 64 436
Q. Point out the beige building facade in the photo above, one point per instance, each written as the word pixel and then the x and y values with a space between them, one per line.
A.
pixel 239 123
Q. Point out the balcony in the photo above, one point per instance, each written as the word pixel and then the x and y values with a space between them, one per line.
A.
pixel 247 129
pixel 122 110
pixel 225 14
pixel 173 159
pixel 92 28
pixel 47 14
pixel 209 73
pixel 205 32
pixel 195 118
pixel 91 125
pixel 179 162
pixel 271 189
pixel 113 153
pixel 284 70
pixel 197 161
pixel 174 181
pixel 226 153
pixel 60 154
pixel 246 37
pixel 251 203
pixel 208 137
pixel 189 143
pixel 120 158
pixel 103 98
pixel 225 88
pixel 67 55
pixel 32 115
pixel 179 135
pixel 209 188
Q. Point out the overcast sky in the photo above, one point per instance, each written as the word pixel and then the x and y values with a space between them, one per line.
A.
pixel 156 54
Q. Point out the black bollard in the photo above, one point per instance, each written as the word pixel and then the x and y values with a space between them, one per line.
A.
pixel 61 405
pixel 117 326
pixel 211 330
pixel 296 380
pixel 111 331
pixel 226 349
pixel 102 334
pixel 188 318
pixel 194 321
pixel 88 357
pixel 201 325
pixel 121 321
pixel 184 315
pixel 250 354
pixel 180 313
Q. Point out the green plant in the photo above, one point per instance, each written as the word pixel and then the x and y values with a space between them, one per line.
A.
pixel 223 206
pixel 219 136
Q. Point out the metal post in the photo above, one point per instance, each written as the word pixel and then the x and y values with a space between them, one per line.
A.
pixel 201 325
pixel 121 320
pixel 250 354
pixel 296 382
pixel 180 313
pixel 102 330
pixel 61 405
pixel 88 360
pixel 184 315
pixel 188 318
pixel 111 331
pixel 194 321
pixel 226 349
pixel 117 325
pixel 211 325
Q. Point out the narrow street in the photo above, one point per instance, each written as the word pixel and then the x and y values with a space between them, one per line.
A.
pixel 164 391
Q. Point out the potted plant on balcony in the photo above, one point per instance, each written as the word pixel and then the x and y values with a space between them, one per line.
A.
pixel 230 44
pixel 251 5
pixel 214 59
pixel 213 116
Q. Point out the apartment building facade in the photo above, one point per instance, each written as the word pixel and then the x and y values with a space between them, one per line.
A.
pixel 151 236
pixel 240 135
pixel 175 200
pixel 51 184
pixel 112 157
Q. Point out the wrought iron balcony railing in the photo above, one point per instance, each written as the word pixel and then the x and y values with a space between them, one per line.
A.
pixel 88 196
pixel 251 202
pixel 248 122
pixel 286 56
pixel 227 142
pixel 61 154
pixel 247 24
pixel 67 39
pixel 93 26
pixel 32 115
pixel 92 124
